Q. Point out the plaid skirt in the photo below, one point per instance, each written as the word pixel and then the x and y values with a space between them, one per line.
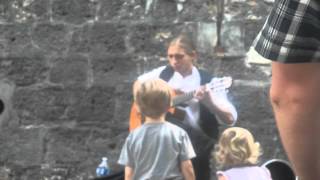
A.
pixel 291 33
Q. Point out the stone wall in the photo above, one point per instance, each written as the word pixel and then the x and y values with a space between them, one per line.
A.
pixel 67 67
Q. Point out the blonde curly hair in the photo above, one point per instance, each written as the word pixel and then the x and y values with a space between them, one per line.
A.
pixel 236 147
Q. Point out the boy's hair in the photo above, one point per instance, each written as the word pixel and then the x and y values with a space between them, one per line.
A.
pixel 236 147
pixel 153 97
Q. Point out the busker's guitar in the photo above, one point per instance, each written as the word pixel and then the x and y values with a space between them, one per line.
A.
pixel 215 85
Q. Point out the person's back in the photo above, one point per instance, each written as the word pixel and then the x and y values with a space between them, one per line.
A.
pixel 158 149
pixel 247 173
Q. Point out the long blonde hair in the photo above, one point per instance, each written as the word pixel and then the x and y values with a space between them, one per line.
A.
pixel 236 147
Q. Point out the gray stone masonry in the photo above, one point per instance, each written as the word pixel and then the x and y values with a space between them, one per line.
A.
pixel 67 67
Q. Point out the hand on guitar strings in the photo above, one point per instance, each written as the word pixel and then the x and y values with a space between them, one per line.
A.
pixel 202 93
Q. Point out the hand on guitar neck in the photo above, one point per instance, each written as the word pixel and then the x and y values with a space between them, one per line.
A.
pixel 216 85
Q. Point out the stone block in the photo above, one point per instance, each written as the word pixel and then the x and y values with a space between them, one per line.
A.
pixel 112 9
pixel 51 37
pixel 38 10
pixel 15 36
pixel 21 147
pixel 5 8
pixel 16 171
pixel 107 38
pixel 3 48
pixel 196 11
pixel 66 145
pixel 150 39
pixel 24 69
pixel 231 39
pixel 61 171
pixel 95 108
pixel 41 106
pixel 21 11
pixel 123 103
pixel 112 70
pixel 71 71
pixel 239 69
pixel 252 97
pixel 74 11
pixel 68 154
pixel 161 11
pixel 80 40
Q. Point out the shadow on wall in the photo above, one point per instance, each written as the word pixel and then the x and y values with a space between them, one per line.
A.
pixel 1 106
pixel 6 92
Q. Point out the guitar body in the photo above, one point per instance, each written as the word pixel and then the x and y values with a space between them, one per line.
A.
pixel 135 117
pixel 178 97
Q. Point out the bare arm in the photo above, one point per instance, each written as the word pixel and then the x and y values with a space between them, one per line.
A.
pixel 128 173
pixel 220 106
pixel 187 170
pixel 223 113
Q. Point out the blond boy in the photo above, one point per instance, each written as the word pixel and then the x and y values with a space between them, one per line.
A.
pixel 157 149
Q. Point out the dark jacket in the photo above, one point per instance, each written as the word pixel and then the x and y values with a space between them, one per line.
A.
pixel 208 122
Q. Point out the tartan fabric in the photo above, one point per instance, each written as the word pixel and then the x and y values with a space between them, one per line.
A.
pixel 291 33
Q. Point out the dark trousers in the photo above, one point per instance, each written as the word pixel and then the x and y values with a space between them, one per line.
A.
pixel 201 165
pixel 202 146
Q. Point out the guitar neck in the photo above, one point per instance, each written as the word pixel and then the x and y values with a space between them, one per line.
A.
pixel 182 98
pixel 215 85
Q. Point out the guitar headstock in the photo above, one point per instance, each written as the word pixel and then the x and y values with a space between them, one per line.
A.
pixel 219 83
